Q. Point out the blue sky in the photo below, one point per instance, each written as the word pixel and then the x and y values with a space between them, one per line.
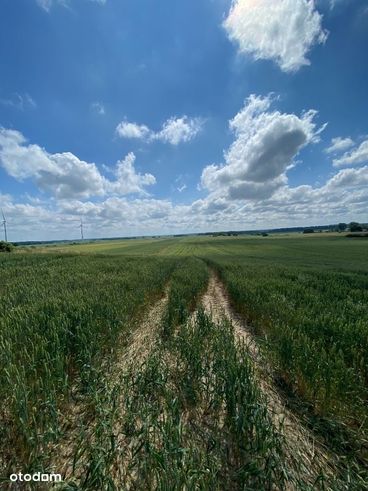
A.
pixel 146 117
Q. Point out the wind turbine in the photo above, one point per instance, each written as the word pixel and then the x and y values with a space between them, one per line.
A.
pixel 4 225
pixel 81 229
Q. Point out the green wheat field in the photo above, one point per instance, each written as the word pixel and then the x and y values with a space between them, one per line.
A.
pixel 115 373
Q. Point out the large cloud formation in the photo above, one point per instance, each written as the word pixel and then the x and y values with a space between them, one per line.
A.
pixel 283 30
pixel 265 146
pixel 63 174
pixel 343 197
pixel 249 190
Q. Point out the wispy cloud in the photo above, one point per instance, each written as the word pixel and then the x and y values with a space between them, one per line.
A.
pixel 19 101
pixel 47 4
pixel 98 108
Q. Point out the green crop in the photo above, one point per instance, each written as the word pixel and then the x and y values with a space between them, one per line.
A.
pixel 60 318
pixel 183 410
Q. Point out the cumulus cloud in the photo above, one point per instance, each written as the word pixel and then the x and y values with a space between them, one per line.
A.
pixel 348 178
pixel 283 31
pixel 63 174
pixel 117 209
pixel 358 155
pixel 342 198
pixel 127 179
pixel 265 146
pixel 339 145
pixel 174 130
pixel 133 130
pixel 249 190
pixel 178 130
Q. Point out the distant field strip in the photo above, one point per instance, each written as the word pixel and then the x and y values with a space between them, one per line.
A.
pixel 323 250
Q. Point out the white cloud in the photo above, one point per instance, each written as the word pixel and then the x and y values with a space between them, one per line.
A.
pixel 341 198
pixel 63 174
pixel 348 178
pixel 174 130
pixel 20 160
pixel 133 130
pixel 68 177
pixel 339 145
pixel 178 130
pixel 283 30
pixel 358 155
pixel 265 146
pixel 127 180
pixel 249 190
pixel 119 210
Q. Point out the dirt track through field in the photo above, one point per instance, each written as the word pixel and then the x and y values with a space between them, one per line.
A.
pixel 135 351
pixel 307 459
pixel 143 337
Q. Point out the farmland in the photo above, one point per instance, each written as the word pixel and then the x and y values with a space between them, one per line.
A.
pixel 117 374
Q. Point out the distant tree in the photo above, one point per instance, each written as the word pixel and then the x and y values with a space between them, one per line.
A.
pixel 308 231
pixel 355 227
pixel 342 227
pixel 6 246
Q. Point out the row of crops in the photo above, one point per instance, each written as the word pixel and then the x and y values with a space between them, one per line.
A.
pixel 312 323
pixel 60 318
pixel 188 414
pixel 185 414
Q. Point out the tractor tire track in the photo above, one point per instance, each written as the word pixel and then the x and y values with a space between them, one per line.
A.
pixel 128 354
pixel 307 458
